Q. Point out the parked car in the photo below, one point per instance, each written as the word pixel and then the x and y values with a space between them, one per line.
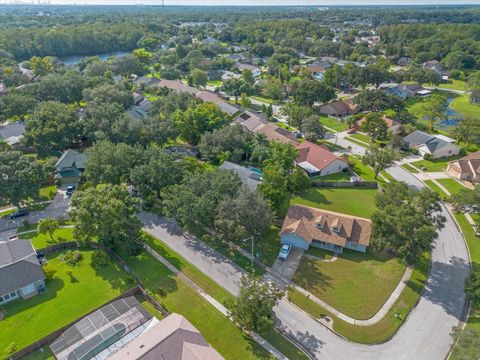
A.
pixel 70 190
pixel 19 213
pixel 284 251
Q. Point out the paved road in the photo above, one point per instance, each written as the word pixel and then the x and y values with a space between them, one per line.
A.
pixel 56 210
pixel 424 336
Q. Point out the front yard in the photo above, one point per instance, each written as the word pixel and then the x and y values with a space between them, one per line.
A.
pixel 436 164
pixel 351 201
pixel 356 284
pixel 41 241
pixel 68 297
pixel 333 124
pixel 452 186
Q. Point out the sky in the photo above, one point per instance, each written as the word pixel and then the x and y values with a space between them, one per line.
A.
pixel 257 2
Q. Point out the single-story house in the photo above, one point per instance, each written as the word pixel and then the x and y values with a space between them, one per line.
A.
pixel 317 160
pixel 176 85
pixel 340 108
pixel 316 71
pixel 437 67
pixel 21 274
pixel 256 72
pixel 306 226
pixel 466 168
pixel 259 125
pixel 209 40
pixel 227 75
pixel 212 97
pixel 250 177
pixel 141 107
pixel 437 146
pixel 12 132
pixel 70 167
pixel 236 57
pixel 394 126
pixel 405 91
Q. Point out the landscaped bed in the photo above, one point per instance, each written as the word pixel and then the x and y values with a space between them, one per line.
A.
pixel 68 297
pixel 356 284
pixel 351 201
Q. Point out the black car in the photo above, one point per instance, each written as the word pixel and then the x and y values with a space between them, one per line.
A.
pixel 19 213
pixel 70 190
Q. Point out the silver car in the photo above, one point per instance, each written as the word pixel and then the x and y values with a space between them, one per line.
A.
pixel 284 251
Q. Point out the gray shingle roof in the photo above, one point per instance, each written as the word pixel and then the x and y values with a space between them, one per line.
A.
pixel 69 158
pixel 417 137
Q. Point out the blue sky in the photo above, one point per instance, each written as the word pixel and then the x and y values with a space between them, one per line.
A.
pixel 261 2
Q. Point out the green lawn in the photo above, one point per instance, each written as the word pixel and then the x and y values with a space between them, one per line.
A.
pixel 355 141
pixel 217 83
pixel 333 124
pixel 451 85
pixel 356 284
pixel 462 105
pixel 409 168
pixel 436 189
pixel 266 248
pixel 453 186
pixel 41 241
pixel 362 170
pixel 47 193
pixel 7 212
pixel 217 292
pixel 340 176
pixel 176 296
pixel 435 165
pixel 265 100
pixel 362 137
pixel 356 202
pixel 67 298
pixel 385 328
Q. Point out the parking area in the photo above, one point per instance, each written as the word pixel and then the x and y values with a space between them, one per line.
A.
pixel 286 268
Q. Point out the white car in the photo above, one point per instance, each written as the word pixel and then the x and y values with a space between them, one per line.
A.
pixel 284 251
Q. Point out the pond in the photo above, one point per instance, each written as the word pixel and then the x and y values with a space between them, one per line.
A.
pixel 75 59
pixel 452 117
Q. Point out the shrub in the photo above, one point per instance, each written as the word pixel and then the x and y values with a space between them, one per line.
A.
pixel 11 348
pixel 427 156
pixel 49 271
pixel 100 258
pixel 72 257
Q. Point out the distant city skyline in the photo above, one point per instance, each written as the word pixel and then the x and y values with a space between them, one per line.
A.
pixel 249 2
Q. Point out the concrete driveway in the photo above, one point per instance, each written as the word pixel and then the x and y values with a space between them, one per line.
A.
pixel 286 268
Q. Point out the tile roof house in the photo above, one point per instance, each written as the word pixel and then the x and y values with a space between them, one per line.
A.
pixel 317 160
pixel 250 177
pixel 340 108
pixel 394 126
pixel 437 146
pixel 12 132
pixel 305 226
pixel 466 168
pixel 69 168
pixel 21 275
pixel 258 125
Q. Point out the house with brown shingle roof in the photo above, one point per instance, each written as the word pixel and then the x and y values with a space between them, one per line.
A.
pixel 340 108
pixel 394 126
pixel 317 160
pixel 466 168
pixel 305 226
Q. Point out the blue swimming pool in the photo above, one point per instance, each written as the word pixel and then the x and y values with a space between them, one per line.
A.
pixel 255 170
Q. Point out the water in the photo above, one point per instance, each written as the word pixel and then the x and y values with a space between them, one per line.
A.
pixel 75 59
pixel 255 170
pixel 451 119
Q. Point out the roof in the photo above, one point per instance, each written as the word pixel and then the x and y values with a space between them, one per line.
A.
pixel 417 137
pixel 276 133
pixel 468 164
pixel 209 96
pixel 99 330
pixel 176 85
pixel 12 132
pixel 250 121
pixel 390 122
pixel 315 155
pixel 315 69
pixel 248 177
pixel 340 107
pixel 71 158
pixel 315 224
pixel 19 265
pixel 173 338
pixel 146 80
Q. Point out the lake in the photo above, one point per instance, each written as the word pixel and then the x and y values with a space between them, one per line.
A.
pixel 75 59
pixel 451 119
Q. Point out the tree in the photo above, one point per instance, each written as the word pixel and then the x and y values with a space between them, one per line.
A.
pixel 48 226
pixel 312 128
pixel 244 100
pixel 192 123
pixel 42 66
pixel 467 131
pixel 434 109
pixel 308 91
pixel 235 87
pixel 253 309
pixel 199 77
pixel 273 89
pixel 274 185
pixel 378 158
pixel 108 93
pixel 375 126
pixel 296 113
pixel 247 77
pixel 52 127
pixel 246 215
pixel 20 177
pixel 283 155
pixel 107 213
pixel 107 121
pixel 406 220
pixel 472 285
pixel 378 100
pixel 15 105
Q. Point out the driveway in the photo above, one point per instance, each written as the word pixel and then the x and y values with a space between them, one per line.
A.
pixel 286 268
pixel 57 209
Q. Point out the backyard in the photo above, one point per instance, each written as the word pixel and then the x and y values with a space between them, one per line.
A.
pixel 356 284
pixel 351 201
pixel 68 297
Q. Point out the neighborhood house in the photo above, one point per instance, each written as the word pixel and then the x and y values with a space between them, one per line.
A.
pixel 340 108
pixel 394 126
pixel 69 168
pixel 21 274
pixel 305 226
pixel 317 160
pixel 437 146
pixel 250 177
pixel 466 168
